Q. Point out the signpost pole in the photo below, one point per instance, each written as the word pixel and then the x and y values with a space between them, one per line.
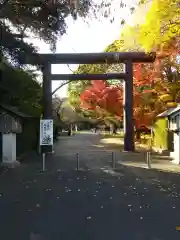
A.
pixel 44 161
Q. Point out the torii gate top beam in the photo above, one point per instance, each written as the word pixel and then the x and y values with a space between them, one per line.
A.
pixel 89 58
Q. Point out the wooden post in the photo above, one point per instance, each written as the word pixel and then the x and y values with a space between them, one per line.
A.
pixel 77 161
pixel 148 159
pixel 47 97
pixel 43 162
pixel 113 161
pixel 128 108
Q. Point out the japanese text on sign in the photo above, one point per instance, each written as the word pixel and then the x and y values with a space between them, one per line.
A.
pixel 46 132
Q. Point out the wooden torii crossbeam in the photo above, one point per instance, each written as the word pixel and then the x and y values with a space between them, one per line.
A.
pixel 128 58
pixel 87 58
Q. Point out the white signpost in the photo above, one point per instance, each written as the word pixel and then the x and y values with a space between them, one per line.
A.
pixel 46 135
pixel 46 132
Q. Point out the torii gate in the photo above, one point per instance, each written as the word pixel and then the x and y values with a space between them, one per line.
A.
pixel 128 58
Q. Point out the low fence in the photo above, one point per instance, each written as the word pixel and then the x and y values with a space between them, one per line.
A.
pixel 93 160
pixel 80 160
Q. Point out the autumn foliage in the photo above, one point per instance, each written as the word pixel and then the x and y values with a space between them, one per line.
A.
pixel 156 86
pixel 152 90
pixel 101 96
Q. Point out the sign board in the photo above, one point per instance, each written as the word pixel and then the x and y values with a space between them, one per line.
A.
pixel 46 132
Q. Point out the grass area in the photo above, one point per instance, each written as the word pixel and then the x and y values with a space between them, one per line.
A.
pixel 145 142
pixel 143 145
pixel 108 135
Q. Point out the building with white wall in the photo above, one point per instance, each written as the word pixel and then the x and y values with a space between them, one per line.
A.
pixel 174 125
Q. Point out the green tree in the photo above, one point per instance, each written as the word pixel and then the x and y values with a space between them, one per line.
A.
pixel 45 19
pixel 20 88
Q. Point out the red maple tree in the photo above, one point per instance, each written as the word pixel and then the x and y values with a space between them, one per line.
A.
pixel 148 87
pixel 100 95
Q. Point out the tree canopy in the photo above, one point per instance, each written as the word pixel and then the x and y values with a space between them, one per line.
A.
pixel 44 19
pixel 20 88
pixel 20 19
pixel 164 17
pixel 156 86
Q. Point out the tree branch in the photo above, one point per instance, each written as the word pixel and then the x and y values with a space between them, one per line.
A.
pixel 63 84
pixel 70 68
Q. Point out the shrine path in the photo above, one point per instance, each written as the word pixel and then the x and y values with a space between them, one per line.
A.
pixel 94 203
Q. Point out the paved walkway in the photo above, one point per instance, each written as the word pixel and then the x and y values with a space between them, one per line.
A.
pixel 92 204
pixel 139 159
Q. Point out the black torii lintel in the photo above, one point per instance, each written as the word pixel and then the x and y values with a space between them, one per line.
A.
pixel 88 58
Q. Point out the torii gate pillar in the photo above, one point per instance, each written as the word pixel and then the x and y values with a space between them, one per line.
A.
pixel 128 108
pixel 47 99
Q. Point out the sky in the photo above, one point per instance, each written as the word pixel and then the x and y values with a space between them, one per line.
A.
pixel 82 37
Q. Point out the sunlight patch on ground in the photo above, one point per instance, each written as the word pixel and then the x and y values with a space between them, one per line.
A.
pixel 98 145
pixel 85 132
pixel 108 135
pixel 112 141
pixel 112 172
pixel 159 167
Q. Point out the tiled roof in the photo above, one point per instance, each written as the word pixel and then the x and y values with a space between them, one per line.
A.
pixel 169 112
pixel 13 111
